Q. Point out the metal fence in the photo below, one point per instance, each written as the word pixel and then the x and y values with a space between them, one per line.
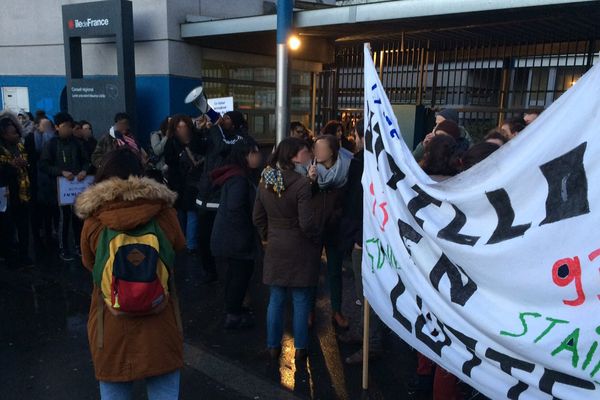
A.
pixel 485 80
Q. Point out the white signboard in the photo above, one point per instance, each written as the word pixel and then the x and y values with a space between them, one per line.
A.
pixel 221 104
pixel 15 98
pixel 69 190
pixel 494 273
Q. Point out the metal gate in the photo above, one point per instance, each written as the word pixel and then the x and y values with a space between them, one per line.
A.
pixel 485 80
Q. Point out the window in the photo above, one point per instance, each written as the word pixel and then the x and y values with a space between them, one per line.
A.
pixel 254 94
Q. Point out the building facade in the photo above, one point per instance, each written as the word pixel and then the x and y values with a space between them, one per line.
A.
pixel 489 60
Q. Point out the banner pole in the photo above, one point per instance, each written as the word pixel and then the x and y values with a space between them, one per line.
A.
pixel 366 314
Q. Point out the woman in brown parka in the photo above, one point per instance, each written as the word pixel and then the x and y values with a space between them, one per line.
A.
pixel 284 217
pixel 127 348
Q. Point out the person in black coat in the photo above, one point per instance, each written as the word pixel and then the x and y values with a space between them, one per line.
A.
pixel 216 145
pixel 45 213
pixel 352 239
pixel 185 168
pixel 84 133
pixel 234 238
pixel 63 156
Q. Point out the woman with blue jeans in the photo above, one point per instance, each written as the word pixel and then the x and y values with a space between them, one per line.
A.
pixel 285 221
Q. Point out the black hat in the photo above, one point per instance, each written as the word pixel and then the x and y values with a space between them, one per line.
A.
pixel 237 118
pixel 449 114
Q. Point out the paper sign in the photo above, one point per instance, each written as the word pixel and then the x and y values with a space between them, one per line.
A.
pixel 221 104
pixel 3 198
pixel 69 190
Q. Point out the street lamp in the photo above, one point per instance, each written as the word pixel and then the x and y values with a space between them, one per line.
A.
pixel 294 42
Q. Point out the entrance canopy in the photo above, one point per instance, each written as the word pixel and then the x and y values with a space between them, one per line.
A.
pixel 429 20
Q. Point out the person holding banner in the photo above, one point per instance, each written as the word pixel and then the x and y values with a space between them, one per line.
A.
pixel 285 219
pixel 14 170
pixel 449 118
pixel 440 161
pixel 351 240
pixel 63 156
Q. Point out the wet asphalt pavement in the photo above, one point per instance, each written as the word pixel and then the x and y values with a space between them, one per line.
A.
pixel 45 355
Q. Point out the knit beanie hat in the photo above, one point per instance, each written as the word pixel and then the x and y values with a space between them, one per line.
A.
pixel 449 115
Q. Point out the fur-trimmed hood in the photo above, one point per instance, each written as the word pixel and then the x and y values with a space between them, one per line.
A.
pixel 13 117
pixel 113 190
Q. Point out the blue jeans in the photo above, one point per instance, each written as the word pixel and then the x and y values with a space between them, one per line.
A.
pixel 301 298
pixel 162 387
pixel 188 220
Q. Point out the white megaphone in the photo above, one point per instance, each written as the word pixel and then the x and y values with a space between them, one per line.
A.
pixel 198 98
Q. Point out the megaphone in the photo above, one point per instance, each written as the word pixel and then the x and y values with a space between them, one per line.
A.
pixel 198 98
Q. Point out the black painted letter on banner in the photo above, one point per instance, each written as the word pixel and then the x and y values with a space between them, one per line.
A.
pixel 459 293
pixel 421 201
pixel 397 174
pixel 394 295
pixel 507 363
pixel 551 377
pixel 369 131
pixel 506 215
pixel 567 186
pixel 421 323
pixel 407 232
pixel 470 345
pixel 451 232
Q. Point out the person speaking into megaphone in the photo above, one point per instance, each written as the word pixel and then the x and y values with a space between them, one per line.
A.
pixel 219 140
pixel 231 128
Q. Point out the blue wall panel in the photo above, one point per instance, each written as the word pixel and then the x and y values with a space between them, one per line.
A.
pixel 157 97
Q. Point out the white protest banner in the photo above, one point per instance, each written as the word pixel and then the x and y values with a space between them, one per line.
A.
pixel 494 273
pixel 221 104
pixel 69 190
pixel 3 198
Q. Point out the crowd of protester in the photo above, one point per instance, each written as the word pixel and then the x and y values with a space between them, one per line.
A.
pixel 212 194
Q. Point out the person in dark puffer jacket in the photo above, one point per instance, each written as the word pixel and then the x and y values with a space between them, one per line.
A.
pixel 234 238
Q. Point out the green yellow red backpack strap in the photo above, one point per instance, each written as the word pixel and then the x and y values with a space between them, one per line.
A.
pixel 103 256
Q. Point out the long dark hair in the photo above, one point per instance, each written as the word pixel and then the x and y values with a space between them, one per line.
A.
pixel 440 156
pixel 331 128
pixel 287 149
pixel 119 163
pixel 5 122
pixel 240 151
pixel 476 154
pixel 497 135
pixel 177 118
pixel 164 125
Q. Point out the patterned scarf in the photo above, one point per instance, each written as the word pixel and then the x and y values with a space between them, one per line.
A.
pixel 6 157
pixel 273 176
